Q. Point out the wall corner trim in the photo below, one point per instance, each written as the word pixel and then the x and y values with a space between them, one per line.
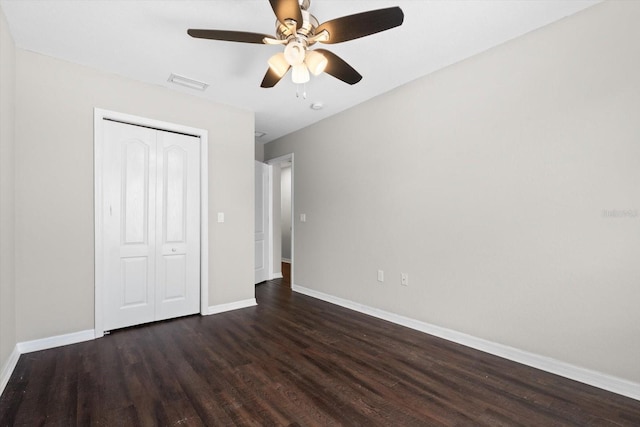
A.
pixel 573 372
pixel 221 308
pixel 8 367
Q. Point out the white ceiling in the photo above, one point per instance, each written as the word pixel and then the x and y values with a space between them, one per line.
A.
pixel 147 41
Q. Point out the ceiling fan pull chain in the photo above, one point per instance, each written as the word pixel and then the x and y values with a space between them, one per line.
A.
pixel 304 91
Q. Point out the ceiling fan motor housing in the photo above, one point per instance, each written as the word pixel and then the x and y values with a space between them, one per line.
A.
pixel 304 4
pixel 285 31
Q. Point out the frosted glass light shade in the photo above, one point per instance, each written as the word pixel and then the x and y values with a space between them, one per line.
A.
pixel 278 64
pixel 294 53
pixel 300 74
pixel 316 62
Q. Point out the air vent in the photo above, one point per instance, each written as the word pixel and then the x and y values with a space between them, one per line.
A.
pixel 187 82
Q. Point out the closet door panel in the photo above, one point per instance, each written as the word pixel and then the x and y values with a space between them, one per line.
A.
pixel 129 191
pixel 178 225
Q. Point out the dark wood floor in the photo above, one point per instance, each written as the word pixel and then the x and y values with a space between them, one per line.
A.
pixel 292 360
pixel 286 273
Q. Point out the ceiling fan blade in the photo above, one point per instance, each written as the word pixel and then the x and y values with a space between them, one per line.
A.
pixel 271 78
pixel 287 9
pixel 339 69
pixel 361 24
pixel 229 36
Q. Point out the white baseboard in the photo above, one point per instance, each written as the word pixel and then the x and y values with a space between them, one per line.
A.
pixel 286 260
pixel 81 336
pixel 586 376
pixel 221 308
pixel 56 341
pixel 8 367
pixel 277 275
pixel 37 345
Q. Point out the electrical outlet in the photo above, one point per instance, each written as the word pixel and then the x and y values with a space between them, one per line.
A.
pixel 404 279
pixel 380 276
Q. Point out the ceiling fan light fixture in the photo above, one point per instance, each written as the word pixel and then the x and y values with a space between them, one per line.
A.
pixel 298 29
pixel 294 53
pixel 300 74
pixel 278 64
pixel 316 62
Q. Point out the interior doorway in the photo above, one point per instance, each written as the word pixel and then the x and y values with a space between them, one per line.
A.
pixel 282 224
pixel 286 221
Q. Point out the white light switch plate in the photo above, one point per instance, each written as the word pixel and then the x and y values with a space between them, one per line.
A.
pixel 220 216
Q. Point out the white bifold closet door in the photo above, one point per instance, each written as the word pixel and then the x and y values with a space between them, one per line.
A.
pixel 151 235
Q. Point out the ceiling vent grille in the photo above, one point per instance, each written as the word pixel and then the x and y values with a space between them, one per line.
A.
pixel 187 82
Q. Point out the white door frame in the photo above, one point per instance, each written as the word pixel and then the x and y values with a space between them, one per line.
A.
pixel 266 205
pixel 270 273
pixel 98 117
pixel 277 161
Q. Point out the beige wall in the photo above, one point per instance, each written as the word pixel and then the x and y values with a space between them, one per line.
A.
pixel 54 188
pixel 486 182
pixel 7 284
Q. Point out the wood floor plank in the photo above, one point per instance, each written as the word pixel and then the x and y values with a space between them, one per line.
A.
pixel 292 361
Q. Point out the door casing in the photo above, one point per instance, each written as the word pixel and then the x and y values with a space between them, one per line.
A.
pixel 266 273
pixel 99 116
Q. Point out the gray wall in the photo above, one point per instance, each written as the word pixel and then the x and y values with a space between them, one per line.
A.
pixel 54 242
pixel 486 182
pixel 259 151
pixel 285 211
pixel 7 283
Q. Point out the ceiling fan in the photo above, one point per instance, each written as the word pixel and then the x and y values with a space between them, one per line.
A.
pixel 298 30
